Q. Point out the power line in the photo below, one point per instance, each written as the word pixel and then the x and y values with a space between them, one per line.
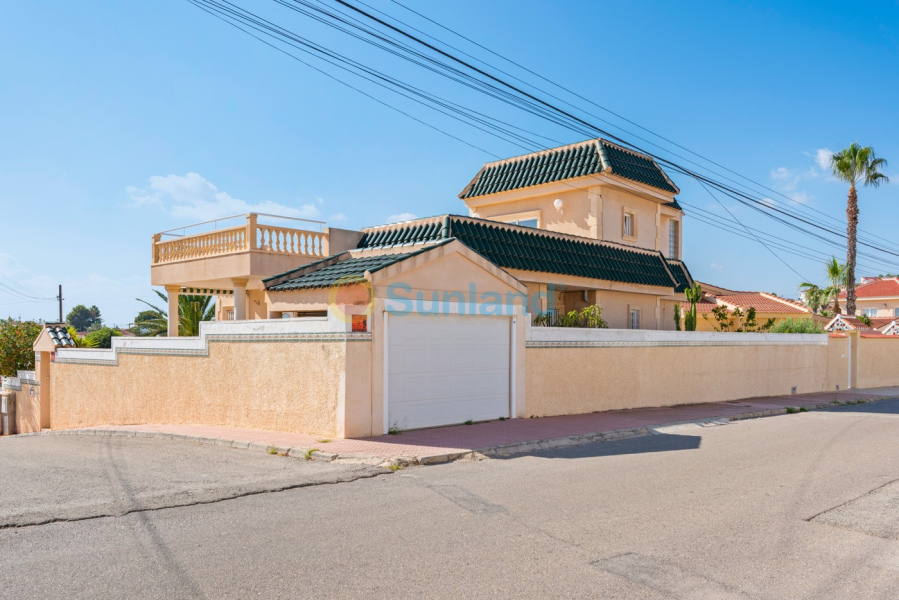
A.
pixel 594 103
pixel 432 98
pixel 557 109
pixel 752 234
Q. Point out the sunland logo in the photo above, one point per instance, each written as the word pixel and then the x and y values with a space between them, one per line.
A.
pixel 402 300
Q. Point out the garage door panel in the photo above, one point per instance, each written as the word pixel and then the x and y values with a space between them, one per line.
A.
pixel 417 358
pixel 447 369
pixel 413 387
pixel 476 408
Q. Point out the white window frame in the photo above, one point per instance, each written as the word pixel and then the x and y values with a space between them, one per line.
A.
pixel 516 218
pixel 631 313
pixel 869 312
pixel 896 311
pixel 625 213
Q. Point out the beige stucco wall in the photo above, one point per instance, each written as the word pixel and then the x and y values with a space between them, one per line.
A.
pixel 579 380
pixel 28 409
pixel 285 386
pixel 596 211
pixel 885 307
pixel 877 361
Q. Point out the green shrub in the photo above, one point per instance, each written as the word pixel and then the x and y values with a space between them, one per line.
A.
pixel 797 326
pixel 103 337
pixel 16 340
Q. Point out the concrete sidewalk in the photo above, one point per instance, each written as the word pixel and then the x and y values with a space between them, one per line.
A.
pixel 497 438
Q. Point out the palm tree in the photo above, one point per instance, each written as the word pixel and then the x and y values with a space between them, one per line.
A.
pixel 816 298
pixel 837 275
pixel 191 311
pixel 855 164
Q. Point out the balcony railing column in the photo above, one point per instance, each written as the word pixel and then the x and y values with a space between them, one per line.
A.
pixel 154 248
pixel 252 220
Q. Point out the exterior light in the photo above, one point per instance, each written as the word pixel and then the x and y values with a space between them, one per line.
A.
pixel 559 204
pixel 475 215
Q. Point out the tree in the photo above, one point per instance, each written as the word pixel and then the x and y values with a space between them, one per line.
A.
pixel 192 310
pixel 854 165
pixel 81 341
pixel 738 321
pixel 815 297
pixel 82 317
pixel 16 341
pixel 102 338
pixel 838 277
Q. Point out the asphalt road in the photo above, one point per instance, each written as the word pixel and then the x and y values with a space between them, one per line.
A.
pixel 795 506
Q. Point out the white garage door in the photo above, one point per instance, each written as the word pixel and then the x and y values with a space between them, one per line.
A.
pixel 443 370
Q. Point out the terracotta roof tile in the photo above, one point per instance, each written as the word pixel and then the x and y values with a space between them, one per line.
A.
pixel 881 288
pixel 763 303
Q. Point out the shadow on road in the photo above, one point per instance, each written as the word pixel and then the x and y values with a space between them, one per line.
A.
pixel 641 445
pixel 882 407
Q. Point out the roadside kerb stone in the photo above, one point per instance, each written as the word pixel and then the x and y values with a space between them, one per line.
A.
pixel 503 450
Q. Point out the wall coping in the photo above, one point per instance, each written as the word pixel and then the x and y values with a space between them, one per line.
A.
pixel 301 329
pixel 548 337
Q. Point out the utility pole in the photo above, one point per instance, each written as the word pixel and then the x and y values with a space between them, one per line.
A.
pixel 59 297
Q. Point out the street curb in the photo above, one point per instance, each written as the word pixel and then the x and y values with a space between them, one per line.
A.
pixel 500 451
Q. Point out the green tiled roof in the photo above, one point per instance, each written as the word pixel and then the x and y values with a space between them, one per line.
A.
pixel 415 233
pixel 674 204
pixel 527 249
pixel 681 274
pixel 587 158
pixel 344 272
pixel 519 248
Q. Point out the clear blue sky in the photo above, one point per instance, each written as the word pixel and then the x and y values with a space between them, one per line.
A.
pixel 120 119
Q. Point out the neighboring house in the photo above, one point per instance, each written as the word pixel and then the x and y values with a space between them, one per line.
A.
pixel 884 325
pixel 767 306
pixel 584 224
pixel 875 298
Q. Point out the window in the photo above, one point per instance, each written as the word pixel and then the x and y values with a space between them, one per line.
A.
pixel 896 312
pixel 524 219
pixel 869 312
pixel 229 314
pixel 672 239
pixel 630 224
pixel 634 320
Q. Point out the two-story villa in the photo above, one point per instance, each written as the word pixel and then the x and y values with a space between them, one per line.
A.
pixel 876 298
pixel 561 229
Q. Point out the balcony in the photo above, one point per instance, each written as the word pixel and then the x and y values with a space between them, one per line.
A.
pixel 214 253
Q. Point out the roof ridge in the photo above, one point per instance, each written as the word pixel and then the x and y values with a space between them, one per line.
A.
pixel 786 301
pixel 537 153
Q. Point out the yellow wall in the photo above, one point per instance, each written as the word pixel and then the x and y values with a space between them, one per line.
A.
pixel 709 324
pixel 285 386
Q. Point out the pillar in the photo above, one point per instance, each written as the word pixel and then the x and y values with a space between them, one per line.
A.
pixel 43 376
pixel 240 299
pixel 173 293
